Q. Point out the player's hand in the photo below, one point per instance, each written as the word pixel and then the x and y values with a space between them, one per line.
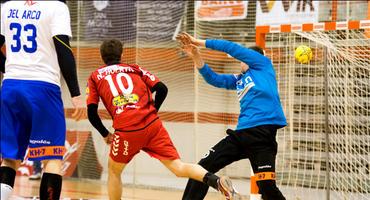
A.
pixel 186 38
pixel 193 52
pixel 109 138
pixel 80 110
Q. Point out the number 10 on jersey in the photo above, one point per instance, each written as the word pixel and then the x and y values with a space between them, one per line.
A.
pixel 124 90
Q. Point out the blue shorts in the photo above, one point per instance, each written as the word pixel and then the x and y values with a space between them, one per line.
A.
pixel 32 116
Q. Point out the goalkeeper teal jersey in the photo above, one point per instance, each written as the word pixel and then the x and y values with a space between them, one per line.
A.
pixel 256 88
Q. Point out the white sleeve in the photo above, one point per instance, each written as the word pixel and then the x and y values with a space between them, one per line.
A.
pixel 2 32
pixel 61 21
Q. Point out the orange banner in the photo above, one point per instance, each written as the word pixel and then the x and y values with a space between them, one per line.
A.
pixel 220 10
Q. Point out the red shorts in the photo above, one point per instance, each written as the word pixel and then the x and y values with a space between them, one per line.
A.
pixel 153 139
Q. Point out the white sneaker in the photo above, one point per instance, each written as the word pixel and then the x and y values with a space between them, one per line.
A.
pixel 36 176
pixel 225 186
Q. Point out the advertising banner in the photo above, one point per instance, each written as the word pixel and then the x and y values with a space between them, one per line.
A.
pixel 109 19
pixel 128 20
pixel 287 12
pixel 220 10
pixel 158 21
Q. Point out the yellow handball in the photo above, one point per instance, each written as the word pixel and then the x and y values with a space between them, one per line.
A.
pixel 303 54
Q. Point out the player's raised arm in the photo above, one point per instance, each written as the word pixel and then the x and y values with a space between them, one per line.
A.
pixel 227 81
pixel 253 56
pixel 254 59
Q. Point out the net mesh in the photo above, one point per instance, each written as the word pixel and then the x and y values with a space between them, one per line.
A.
pixel 196 115
pixel 327 107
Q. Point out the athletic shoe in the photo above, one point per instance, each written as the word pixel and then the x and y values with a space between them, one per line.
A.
pixel 225 186
pixel 36 176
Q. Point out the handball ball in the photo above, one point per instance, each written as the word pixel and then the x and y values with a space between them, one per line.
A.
pixel 303 54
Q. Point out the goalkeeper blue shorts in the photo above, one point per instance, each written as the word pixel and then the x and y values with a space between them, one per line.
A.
pixel 32 117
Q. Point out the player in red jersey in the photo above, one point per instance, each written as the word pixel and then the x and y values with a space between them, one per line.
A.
pixel 126 92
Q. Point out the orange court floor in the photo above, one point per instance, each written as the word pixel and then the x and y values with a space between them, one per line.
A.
pixel 85 189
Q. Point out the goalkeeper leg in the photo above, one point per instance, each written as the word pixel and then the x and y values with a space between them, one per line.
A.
pixel 222 154
pixel 263 164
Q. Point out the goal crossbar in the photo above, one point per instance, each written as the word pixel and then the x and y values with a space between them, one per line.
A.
pixel 261 31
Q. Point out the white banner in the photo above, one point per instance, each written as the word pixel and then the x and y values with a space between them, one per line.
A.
pixel 220 10
pixel 287 12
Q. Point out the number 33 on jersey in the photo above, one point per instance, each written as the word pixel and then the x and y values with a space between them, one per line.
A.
pixel 125 90
pixel 29 28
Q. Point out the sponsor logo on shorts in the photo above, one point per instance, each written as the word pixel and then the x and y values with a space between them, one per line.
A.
pixel 115 145
pixel 209 152
pixel 125 150
pixel 264 166
pixel 46 151
pixel 39 142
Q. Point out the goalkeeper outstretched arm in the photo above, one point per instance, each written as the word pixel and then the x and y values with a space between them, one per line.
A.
pixel 227 81
pixel 253 56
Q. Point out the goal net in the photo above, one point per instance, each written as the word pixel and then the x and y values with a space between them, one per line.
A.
pixel 321 103
pixel 195 114
pixel 147 29
pixel 324 150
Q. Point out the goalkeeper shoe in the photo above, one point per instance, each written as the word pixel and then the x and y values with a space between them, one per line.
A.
pixel 225 186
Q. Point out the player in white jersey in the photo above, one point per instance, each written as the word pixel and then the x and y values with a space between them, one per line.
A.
pixel 36 36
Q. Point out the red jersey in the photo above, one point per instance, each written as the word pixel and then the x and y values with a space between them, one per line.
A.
pixel 125 91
